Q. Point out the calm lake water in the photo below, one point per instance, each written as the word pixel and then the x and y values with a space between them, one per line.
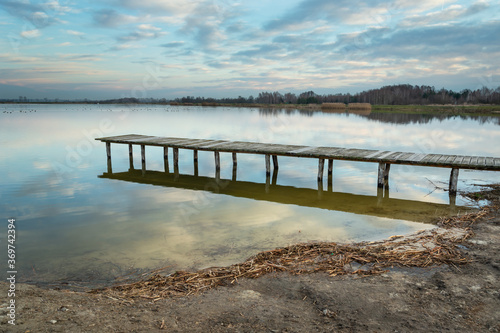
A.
pixel 73 224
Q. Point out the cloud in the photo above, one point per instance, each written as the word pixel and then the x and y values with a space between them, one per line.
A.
pixel 75 33
pixel 411 6
pixel 444 16
pixel 458 39
pixel 177 7
pixel 110 18
pixel 206 23
pixel 144 32
pixel 31 33
pixel 148 27
pixel 122 47
pixel 220 64
pixel 308 13
pixel 56 6
pixel 173 44
pixel 264 51
pixel 34 13
pixel 81 57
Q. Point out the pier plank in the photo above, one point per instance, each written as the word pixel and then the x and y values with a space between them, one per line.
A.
pixel 466 160
pixel 458 160
pixel 381 155
pixel 404 157
pixel 374 154
pixel 451 158
pixel 431 158
pixel 394 156
pixel 418 157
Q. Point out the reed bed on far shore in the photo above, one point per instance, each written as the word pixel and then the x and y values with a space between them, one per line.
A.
pixel 360 106
pixel 333 106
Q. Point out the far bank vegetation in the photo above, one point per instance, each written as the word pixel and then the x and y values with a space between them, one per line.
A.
pixel 343 106
pixel 359 106
pixel 403 94
pixel 333 106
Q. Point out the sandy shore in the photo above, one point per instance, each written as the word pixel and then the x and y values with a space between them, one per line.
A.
pixel 456 298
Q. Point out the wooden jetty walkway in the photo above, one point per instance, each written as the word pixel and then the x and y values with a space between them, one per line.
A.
pixel 271 150
pixel 410 210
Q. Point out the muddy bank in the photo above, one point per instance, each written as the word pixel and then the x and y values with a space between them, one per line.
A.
pixel 440 297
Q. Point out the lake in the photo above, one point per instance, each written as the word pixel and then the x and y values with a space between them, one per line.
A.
pixel 74 224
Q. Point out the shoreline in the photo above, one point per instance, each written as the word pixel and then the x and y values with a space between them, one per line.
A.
pixel 446 296
pixel 438 109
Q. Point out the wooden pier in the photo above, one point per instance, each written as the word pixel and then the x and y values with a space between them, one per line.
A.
pixel 272 151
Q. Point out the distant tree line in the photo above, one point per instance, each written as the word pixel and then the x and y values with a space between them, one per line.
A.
pixel 402 94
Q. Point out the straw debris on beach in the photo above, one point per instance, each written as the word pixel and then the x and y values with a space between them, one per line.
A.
pixel 426 248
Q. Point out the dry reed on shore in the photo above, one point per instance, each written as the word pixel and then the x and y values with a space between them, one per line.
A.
pixel 333 106
pixel 359 106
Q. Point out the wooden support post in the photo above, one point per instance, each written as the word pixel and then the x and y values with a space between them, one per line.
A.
pixel 268 165
pixel 217 160
pixel 217 164
pixel 195 161
pixel 275 177
pixel 453 181
pixel 235 167
pixel 386 176
pixel 380 182
pixel 108 154
pixel 320 188
pixel 235 175
pixel 275 162
pixel 131 157
pixel 176 161
pixel 383 174
pixel 165 159
pixel 330 175
pixel 268 181
pixel 321 167
pixel 235 161
pixel 143 159
pixel 380 196
pixel 453 201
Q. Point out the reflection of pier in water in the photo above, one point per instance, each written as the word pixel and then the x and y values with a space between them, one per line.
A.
pixel 380 205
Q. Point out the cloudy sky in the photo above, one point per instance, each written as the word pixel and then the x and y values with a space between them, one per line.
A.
pixel 220 48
